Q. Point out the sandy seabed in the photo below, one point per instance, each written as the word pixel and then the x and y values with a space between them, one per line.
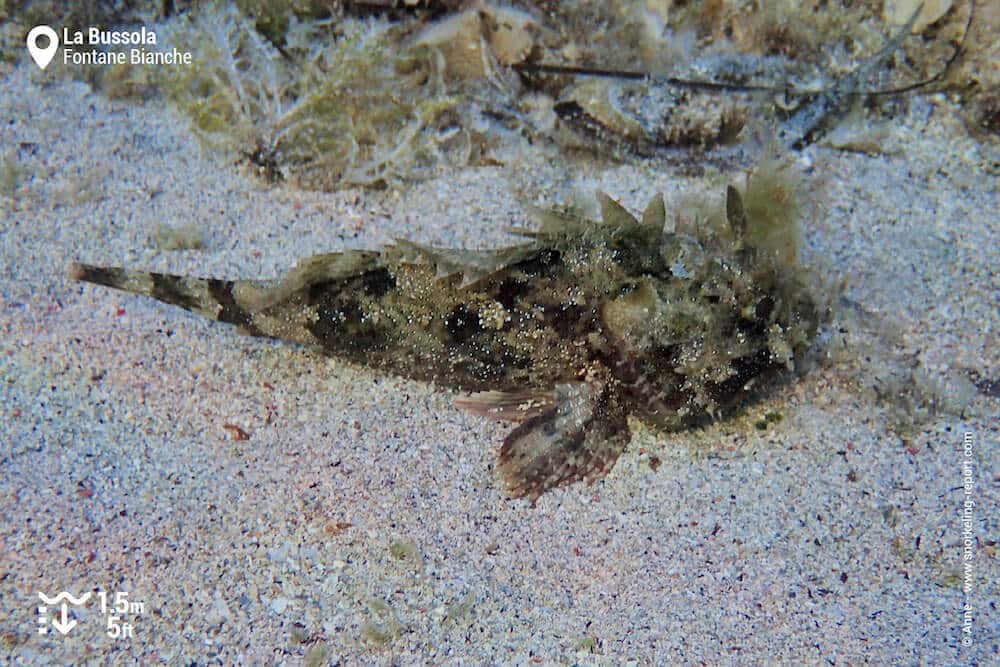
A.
pixel 362 522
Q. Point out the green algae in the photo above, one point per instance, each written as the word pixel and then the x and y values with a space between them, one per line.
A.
pixel 339 104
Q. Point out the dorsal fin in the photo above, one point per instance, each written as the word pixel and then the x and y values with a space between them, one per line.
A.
pixel 555 224
pixel 309 271
pixel 613 213
pixel 655 214
pixel 472 265
pixel 570 224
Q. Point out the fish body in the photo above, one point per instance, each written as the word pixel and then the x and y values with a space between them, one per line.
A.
pixel 566 335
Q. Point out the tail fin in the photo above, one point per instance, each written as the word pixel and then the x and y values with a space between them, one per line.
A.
pixel 210 297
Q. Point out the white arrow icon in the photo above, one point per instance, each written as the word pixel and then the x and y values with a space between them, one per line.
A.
pixel 64 624
pixel 42 57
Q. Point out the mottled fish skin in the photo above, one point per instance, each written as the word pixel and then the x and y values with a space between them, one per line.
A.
pixel 567 335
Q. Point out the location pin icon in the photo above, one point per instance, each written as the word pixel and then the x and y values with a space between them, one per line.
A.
pixel 42 57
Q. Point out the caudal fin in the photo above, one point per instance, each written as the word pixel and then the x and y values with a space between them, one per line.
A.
pixel 210 297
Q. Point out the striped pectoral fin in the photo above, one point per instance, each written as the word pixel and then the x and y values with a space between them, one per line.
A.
pixel 512 406
pixel 578 439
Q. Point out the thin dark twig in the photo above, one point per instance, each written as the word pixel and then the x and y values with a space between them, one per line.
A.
pixel 530 68
pixel 633 75
pixel 944 70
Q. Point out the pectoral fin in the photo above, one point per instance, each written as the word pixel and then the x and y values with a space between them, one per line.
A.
pixel 579 438
pixel 512 406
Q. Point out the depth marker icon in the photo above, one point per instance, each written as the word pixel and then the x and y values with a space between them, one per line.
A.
pixel 63 623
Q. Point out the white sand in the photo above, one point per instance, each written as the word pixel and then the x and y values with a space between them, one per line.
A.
pixel 825 538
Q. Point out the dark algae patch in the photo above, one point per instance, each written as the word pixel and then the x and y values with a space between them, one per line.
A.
pixel 566 335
